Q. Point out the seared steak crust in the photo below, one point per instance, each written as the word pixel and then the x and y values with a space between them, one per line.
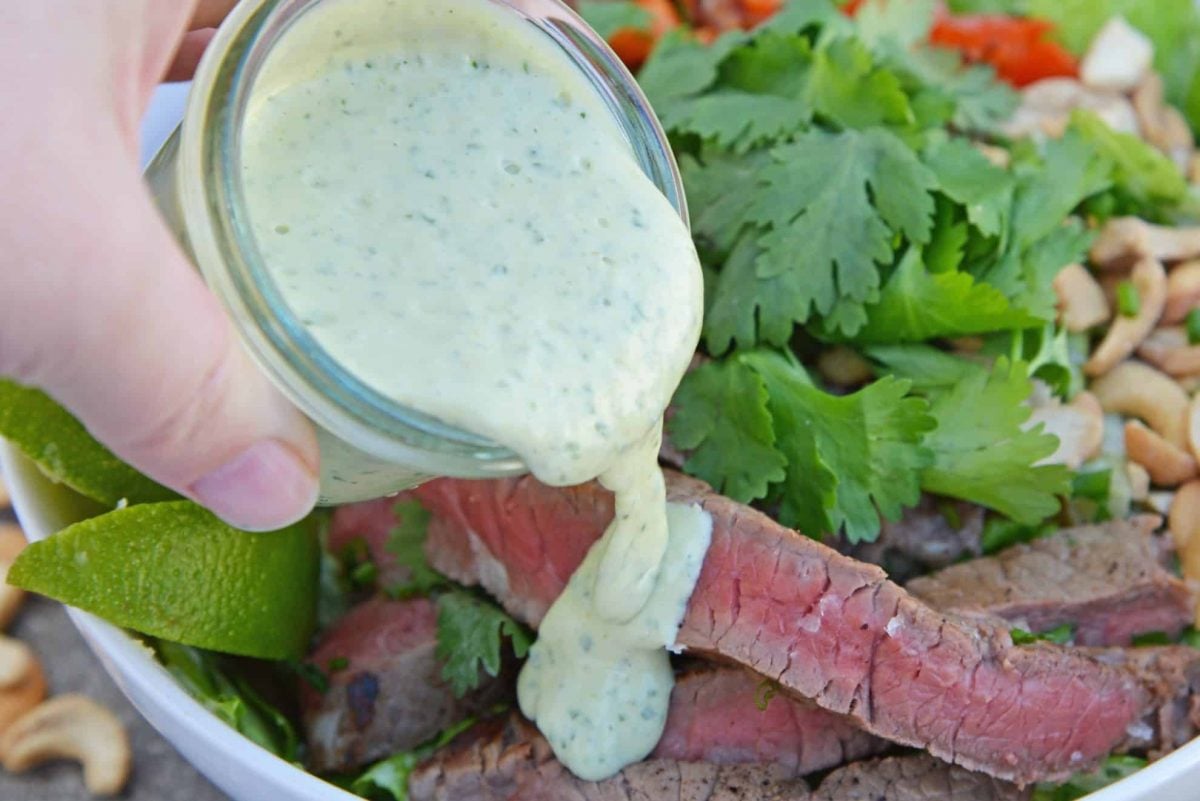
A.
pixel 1106 580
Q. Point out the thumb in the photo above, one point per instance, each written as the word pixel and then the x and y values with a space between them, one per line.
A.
pixel 100 307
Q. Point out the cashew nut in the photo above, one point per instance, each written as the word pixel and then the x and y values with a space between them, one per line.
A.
pixel 1193 425
pixel 1079 426
pixel 1138 390
pixel 1081 300
pixel 1183 521
pixel 1139 481
pixel 1167 464
pixel 1168 349
pixel 16 661
pixel 1126 333
pixel 1162 125
pixel 1183 292
pixel 843 367
pixel 71 727
pixel 23 696
pixel 1124 240
pixel 1117 58
pixel 12 542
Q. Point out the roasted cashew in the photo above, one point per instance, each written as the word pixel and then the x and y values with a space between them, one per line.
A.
pixel 71 727
pixel 1183 292
pixel 12 542
pixel 1161 124
pixel 1193 426
pixel 23 696
pixel 843 367
pixel 1167 464
pixel 1168 349
pixel 16 662
pixel 1118 57
pixel 1079 426
pixel 1183 521
pixel 1081 300
pixel 1138 390
pixel 1124 240
pixel 1126 333
pixel 1139 481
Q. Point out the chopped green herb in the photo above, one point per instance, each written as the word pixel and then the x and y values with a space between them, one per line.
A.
pixel 1129 303
pixel 1000 533
pixel 1060 635
pixel 763 694
pixel 1114 769
pixel 1151 638
pixel 388 778
pixel 338 663
pixel 470 635
pixel 312 675
pixel 1193 327
pixel 407 543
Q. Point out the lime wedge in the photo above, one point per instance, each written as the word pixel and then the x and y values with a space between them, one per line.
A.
pixel 173 570
pixel 65 451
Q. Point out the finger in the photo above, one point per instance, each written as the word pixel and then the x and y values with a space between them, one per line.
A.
pixel 99 306
pixel 209 13
pixel 187 57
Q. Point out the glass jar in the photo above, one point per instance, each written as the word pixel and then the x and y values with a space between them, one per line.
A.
pixel 370 445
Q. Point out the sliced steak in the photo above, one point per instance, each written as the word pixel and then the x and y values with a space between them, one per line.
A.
pixel 730 716
pixel 1172 675
pixel 929 536
pixel 914 778
pixel 1108 581
pixel 507 760
pixel 386 693
pixel 822 625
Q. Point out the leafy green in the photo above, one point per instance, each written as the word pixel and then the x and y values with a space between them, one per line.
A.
pixel 847 88
pixel 966 176
pixel 388 778
pixel 606 18
pixel 1060 635
pixel 917 305
pixel 848 459
pixel 1000 533
pixel 470 631
pixel 981 453
pixel 66 452
pixel 205 677
pixel 865 447
pixel 833 203
pixel 1146 176
pixel 1114 769
pixel 407 543
pixel 721 418
pixel 927 368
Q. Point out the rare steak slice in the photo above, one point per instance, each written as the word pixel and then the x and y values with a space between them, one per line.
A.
pixel 919 777
pixel 507 760
pixel 1108 581
pixel 385 692
pixel 820 624
pixel 728 716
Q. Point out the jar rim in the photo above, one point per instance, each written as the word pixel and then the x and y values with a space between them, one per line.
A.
pixel 227 255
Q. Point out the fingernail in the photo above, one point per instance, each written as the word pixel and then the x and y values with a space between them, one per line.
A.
pixel 265 487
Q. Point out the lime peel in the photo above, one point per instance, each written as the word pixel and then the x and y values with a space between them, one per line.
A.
pixel 173 570
pixel 65 452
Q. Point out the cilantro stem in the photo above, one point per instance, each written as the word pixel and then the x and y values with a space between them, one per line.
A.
pixel 1129 303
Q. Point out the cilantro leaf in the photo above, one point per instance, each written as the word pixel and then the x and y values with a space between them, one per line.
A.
pixel 968 178
pixel 865 448
pixel 1149 178
pixel 903 23
pixel 834 202
pixel 759 96
pixel 926 367
pixel 917 305
pixel 982 455
pixel 606 18
pixel 848 88
pixel 721 416
pixel 469 637
pixel 407 543
pixel 390 775
pixel 717 182
pixel 681 65
pixel 1070 171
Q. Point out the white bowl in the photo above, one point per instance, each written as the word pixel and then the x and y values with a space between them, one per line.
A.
pixel 246 771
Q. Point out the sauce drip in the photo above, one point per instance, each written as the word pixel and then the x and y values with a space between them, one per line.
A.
pixel 451 210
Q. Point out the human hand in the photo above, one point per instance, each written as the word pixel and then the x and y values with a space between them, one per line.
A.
pixel 99 306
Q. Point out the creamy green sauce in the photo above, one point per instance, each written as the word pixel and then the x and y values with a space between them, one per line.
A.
pixel 451 210
pixel 598 689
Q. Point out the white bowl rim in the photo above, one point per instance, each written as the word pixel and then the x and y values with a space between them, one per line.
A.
pixel 121 655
